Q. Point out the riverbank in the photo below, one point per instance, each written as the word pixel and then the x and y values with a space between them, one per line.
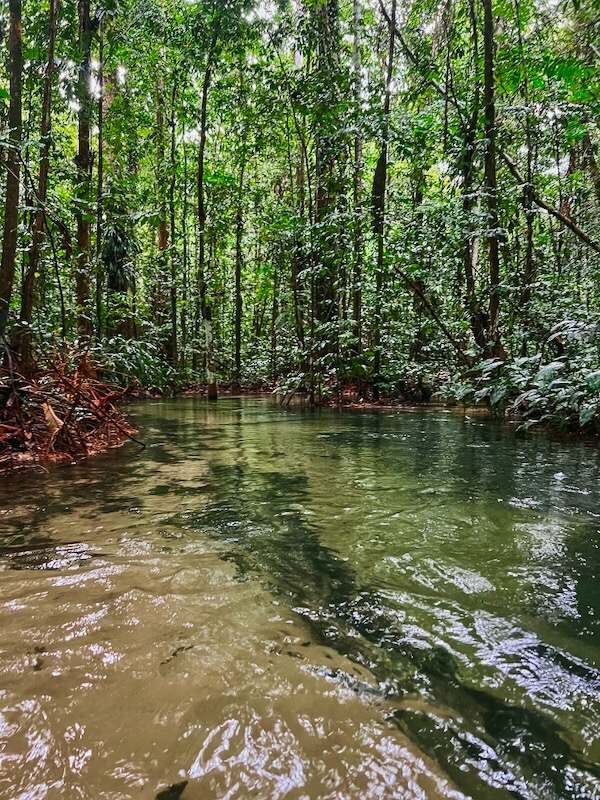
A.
pixel 514 414
pixel 64 416
pixel 60 415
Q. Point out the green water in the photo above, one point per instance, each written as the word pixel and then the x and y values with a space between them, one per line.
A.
pixel 436 574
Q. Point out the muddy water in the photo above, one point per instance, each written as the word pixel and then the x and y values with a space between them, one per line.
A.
pixel 268 603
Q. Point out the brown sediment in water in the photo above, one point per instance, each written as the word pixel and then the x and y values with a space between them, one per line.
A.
pixel 137 661
pixel 271 604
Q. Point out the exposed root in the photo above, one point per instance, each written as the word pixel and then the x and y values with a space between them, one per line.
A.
pixel 60 414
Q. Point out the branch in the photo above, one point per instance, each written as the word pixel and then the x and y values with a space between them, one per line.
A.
pixel 435 316
pixel 539 201
pixel 566 221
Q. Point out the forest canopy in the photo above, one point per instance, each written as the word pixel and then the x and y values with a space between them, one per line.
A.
pixel 402 198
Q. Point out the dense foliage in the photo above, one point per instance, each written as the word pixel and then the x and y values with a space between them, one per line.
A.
pixel 310 194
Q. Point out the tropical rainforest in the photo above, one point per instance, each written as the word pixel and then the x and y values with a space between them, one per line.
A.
pixel 353 205
pixel 392 199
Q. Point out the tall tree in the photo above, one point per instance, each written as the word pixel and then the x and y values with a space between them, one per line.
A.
pixel 326 119
pixel 25 334
pixel 357 175
pixel 13 163
pixel 204 309
pixel 378 203
pixel 102 102
pixel 491 182
pixel 172 223
pixel 84 167
pixel 239 262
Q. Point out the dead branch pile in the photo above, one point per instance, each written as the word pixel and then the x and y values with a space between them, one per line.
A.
pixel 61 414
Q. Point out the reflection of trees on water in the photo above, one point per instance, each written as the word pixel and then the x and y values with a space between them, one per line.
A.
pixel 521 482
pixel 256 514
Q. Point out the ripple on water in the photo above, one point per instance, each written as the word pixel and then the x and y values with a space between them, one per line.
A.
pixel 112 690
pixel 279 604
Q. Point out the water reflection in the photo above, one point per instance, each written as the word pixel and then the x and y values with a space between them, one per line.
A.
pixel 426 584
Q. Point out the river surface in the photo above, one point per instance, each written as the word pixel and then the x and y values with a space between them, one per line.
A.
pixel 270 603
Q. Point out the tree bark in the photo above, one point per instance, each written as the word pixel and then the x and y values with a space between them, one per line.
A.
pixel 184 235
pixel 100 187
pixel 491 184
pixel 274 315
pixel 357 180
pixel 327 13
pixel 527 194
pixel 203 305
pixel 173 275
pixel 378 203
pixel 477 317
pixel 84 211
pixel 239 232
pixel 160 283
pixel 13 164
pixel 24 340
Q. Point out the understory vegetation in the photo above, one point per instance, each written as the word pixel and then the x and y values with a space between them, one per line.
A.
pixel 396 200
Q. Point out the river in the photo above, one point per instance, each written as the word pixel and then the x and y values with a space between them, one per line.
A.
pixel 276 603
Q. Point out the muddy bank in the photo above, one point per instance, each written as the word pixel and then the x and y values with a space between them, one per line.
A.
pixel 59 415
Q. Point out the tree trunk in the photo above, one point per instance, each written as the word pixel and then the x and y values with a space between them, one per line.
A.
pixel 378 205
pixel 203 306
pixel 173 276
pixel 24 341
pixel 239 232
pixel 184 234
pixel 527 196
pixel 13 164
pixel 298 254
pixel 357 181
pixel 495 347
pixel 274 315
pixel 477 317
pixel 100 187
pixel 160 283
pixel 82 275
pixel 327 13
pixel 591 164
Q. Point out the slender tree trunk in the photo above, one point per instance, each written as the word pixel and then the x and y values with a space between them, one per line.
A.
pixel 477 317
pixel 591 163
pixel 13 164
pixel 527 197
pixel 324 274
pixel 491 185
pixel 100 186
pixel 160 311
pixel 357 180
pixel 298 256
pixel 378 203
pixel 24 344
pixel 327 23
pixel 203 306
pixel 173 276
pixel 184 233
pixel 239 232
pixel 82 276
pixel 274 315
